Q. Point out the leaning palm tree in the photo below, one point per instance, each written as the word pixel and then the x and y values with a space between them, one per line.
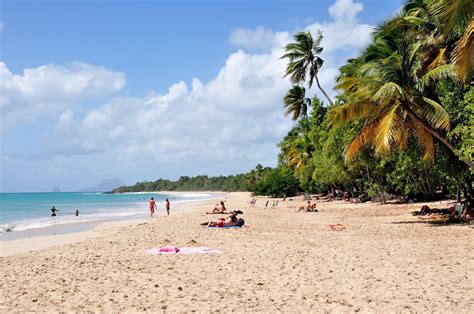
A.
pixel 304 60
pixel 386 90
pixel 296 103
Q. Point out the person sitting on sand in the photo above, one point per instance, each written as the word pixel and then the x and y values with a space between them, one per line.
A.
pixel 467 213
pixel 307 208
pixel 222 209
pixel 229 221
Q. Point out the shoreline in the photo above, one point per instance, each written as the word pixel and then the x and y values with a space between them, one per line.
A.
pixel 86 223
pixel 383 260
pixel 23 241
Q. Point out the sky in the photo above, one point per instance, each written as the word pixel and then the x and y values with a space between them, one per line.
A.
pixel 141 90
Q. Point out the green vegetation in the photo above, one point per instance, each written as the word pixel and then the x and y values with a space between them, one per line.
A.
pixel 198 183
pixel 402 122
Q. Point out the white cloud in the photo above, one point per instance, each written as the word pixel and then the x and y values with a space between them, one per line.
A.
pixel 50 89
pixel 259 39
pixel 229 118
pixel 345 10
pixel 344 32
pixel 236 116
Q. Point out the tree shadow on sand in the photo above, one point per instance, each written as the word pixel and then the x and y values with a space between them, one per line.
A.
pixel 435 223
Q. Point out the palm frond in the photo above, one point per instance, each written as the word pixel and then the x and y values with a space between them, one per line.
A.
pixel 439 60
pixel 443 71
pixel 386 131
pixel 426 141
pixel 362 139
pixel 351 111
pixel 401 137
pixel 295 102
pixel 432 112
pixel 463 54
pixel 453 13
pixel 388 92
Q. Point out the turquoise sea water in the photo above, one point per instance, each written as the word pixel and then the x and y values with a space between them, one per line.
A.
pixel 23 211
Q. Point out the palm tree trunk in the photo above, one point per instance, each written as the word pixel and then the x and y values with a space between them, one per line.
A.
pixel 436 134
pixel 322 90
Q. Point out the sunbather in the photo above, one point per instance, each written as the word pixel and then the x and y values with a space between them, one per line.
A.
pixel 229 221
pixel 309 208
pixel 218 209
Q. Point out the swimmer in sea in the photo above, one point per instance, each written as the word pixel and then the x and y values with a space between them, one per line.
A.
pixel 53 211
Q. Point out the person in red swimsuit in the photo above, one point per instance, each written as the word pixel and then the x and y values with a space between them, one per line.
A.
pixel 152 207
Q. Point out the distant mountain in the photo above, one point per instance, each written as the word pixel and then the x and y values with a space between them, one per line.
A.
pixel 56 189
pixel 105 186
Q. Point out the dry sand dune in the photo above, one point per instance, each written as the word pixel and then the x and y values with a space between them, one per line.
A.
pixel 385 260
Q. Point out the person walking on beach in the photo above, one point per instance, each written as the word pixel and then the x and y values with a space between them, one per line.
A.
pixel 53 212
pixel 168 206
pixel 152 207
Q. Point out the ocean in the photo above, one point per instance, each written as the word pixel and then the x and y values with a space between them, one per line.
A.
pixel 24 211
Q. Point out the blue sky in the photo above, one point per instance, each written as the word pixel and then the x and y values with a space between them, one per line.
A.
pixel 148 89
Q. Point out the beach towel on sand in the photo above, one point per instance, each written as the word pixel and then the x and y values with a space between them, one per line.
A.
pixel 337 227
pixel 225 227
pixel 183 250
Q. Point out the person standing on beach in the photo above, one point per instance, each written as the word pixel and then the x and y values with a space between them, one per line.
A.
pixel 53 212
pixel 152 207
pixel 77 212
pixel 168 206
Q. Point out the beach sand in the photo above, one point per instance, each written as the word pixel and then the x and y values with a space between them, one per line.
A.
pixel 384 260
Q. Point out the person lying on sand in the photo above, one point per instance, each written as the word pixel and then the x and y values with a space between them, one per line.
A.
pixel 309 208
pixel 228 221
pixel 218 209
pixel 426 210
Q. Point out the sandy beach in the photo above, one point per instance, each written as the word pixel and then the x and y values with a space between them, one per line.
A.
pixel 385 260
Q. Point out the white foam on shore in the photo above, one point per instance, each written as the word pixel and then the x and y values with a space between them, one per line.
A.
pixel 35 223
pixel 190 195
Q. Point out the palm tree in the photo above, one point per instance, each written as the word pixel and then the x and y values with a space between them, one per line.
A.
pixel 386 88
pixel 304 60
pixel 455 16
pixel 296 103
pixel 297 151
pixel 441 25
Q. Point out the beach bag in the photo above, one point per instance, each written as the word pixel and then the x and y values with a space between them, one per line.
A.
pixel 240 222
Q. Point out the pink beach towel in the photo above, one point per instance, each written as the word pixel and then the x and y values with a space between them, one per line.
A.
pixel 184 250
